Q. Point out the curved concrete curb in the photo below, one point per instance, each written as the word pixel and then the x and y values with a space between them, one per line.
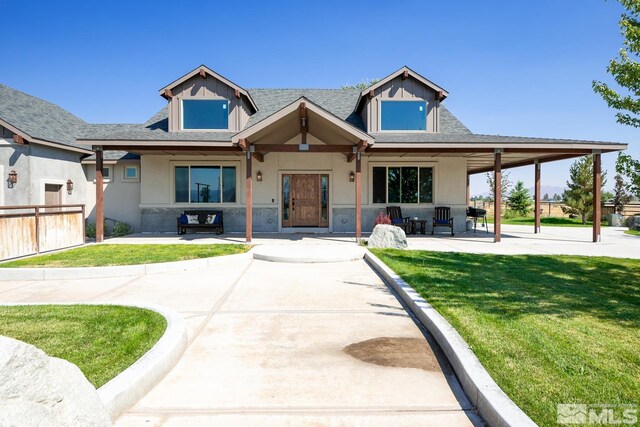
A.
pixel 307 254
pixel 138 379
pixel 492 403
pixel 115 271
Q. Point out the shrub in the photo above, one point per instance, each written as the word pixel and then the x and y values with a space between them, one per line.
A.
pixel 90 230
pixel 383 219
pixel 121 229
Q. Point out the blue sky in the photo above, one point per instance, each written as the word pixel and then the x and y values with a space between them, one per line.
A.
pixel 511 67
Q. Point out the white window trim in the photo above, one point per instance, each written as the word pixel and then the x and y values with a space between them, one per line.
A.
pixel 391 164
pixel 426 115
pixel 204 99
pixel 221 163
pixel 104 179
pixel 124 173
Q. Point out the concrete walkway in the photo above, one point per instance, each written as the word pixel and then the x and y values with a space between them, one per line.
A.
pixel 282 344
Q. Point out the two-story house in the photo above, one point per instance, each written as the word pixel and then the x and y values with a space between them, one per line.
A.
pixel 312 159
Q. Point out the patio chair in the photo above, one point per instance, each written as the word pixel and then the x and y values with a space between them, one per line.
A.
pixel 395 214
pixel 442 218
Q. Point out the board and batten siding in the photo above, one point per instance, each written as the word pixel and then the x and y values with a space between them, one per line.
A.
pixel 210 88
pixel 398 89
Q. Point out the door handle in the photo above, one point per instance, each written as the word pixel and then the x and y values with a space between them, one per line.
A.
pixel 293 204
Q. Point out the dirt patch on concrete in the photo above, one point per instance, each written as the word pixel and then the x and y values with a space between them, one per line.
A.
pixel 396 352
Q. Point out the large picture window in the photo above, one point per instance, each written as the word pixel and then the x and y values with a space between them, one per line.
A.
pixel 205 184
pixel 402 184
pixel 205 114
pixel 404 115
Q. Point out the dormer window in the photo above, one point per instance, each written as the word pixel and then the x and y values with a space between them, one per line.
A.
pixel 403 115
pixel 205 114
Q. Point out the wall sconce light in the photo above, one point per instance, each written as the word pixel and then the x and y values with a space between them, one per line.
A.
pixel 69 186
pixel 13 178
pixel 259 176
pixel 352 177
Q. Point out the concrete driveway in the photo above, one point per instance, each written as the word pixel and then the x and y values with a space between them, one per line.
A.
pixel 282 344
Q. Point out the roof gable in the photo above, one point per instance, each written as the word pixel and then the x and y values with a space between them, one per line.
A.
pixel 205 71
pixel 405 72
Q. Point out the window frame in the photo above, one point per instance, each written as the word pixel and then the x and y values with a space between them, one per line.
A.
pixel 218 164
pixel 426 115
pixel 388 165
pixel 108 167
pixel 182 128
pixel 124 173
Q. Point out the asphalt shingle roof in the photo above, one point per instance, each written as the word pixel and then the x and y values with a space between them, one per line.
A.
pixel 38 118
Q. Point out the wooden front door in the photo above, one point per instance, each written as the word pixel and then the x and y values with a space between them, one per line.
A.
pixel 305 200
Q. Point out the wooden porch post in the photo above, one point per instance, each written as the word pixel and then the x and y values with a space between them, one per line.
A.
pixel 497 191
pixel 536 196
pixel 249 201
pixel 358 196
pixel 99 197
pixel 468 191
pixel 597 196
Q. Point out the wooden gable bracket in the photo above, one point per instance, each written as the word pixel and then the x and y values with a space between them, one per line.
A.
pixel 371 94
pixel 243 144
pixel 405 75
pixel 203 73
pixel 304 119
pixel 362 146
pixel 440 96
pixel 351 157
pixel 237 93
pixel 18 139
pixel 258 156
pixel 168 94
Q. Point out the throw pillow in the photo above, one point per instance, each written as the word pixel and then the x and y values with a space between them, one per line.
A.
pixel 183 219
pixel 192 219
pixel 211 219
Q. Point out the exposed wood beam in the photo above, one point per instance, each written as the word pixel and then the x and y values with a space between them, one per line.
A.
pixel 358 197
pixel 203 73
pixel 168 94
pixel 164 148
pixel 536 198
pixel 497 199
pixel 371 93
pixel 99 197
pixel 293 148
pixel 597 196
pixel 258 156
pixel 243 144
pixel 249 200
pixel 405 75
pixel 526 162
pixel 362 145
pixel 237 93
pixel 351 157
pixel 440 96
pixel 304 122
pixel 18 139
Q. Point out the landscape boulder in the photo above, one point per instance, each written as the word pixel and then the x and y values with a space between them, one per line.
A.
pixel 387 236
pixel 38 390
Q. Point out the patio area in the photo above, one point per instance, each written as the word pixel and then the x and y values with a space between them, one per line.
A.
pixel 516 240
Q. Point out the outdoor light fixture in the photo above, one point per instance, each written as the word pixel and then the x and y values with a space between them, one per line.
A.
pixel 352 177
pixel 69 186
pixel 259 176
pixel 13 178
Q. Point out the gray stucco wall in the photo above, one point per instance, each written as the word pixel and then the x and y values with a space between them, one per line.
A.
pixel 37 165
pixel 162 220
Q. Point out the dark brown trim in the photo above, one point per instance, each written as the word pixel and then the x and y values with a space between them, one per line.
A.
pixel 282 148
pixel 351 157
pixel 249 201
pixel 203 73
pixel 99 198
pixel 405 75
pixel 237 93
pixel 497 192
pixel 168 94
pixel 17 139
pixel 527 162
pixel 536 198
pixel 597 196
pixel 358 197
pixel 258 156
pixel 371 94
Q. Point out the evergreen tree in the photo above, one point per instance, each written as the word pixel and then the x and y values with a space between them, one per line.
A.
pixel 578 197
pixel 520 199
pixel 545 197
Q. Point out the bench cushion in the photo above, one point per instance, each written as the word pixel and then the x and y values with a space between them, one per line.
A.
pixel 192 219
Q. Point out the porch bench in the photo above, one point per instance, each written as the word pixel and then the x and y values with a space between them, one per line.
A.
pixel 216 225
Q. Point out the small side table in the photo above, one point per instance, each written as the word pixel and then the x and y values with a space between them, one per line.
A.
pixel 418 224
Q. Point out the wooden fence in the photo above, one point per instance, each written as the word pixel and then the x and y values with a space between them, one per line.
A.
pixel 28 230
pixel 554 209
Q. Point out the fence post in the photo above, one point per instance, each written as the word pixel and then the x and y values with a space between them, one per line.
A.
pixel 84 231
pixel 37 230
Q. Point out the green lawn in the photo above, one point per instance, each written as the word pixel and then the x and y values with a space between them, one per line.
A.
pixel 103 255
pixel 549 329
pixel 102 340
pixel 546 221
pixel 633 232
